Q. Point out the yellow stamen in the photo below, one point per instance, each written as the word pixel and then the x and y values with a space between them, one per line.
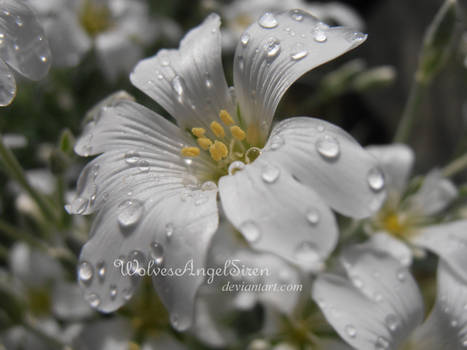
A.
pixel 237 132
pixel 190 151
pixel 198 132
pixel 393 224
pixel 133 346
pixel 252 134
pixel 226 118
pixel 204 143
pixel 217 129
pixel 218 150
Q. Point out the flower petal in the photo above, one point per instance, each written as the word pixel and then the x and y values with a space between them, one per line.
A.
pixel 7 85
pixel 446 327
pixel 278 214
pixel 381 306
pixel 449 241
pixel 22 41
pixel 435 195
pixel 189 82
pixel 326 158
pixel 396 160
pixel 110 334
pixel 274 52
pixel 385 242
pixel 163 341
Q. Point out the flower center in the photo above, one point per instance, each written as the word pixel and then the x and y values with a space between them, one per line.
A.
pixel 229 150
pixel 95 18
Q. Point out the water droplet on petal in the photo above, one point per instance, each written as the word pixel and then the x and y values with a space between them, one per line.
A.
pixel 312 216
pixel 355 38
pixel 391 322
pixel 454 323
pixel 143 165
pixel 209 186
pixel 351 331
pixel 241 63
pixel 244 39
pixel 201 199
pixel 78 206
pixel 268 21
pixel 208 83
pixel 307 252
pixel 297 15
pixel 375 179
pixel 381 344
pixel 277 142
pixel 178 85
pixel 236 166
pixel 328 147
pixel 113 291
pixel 131 211
pixel 101 270
pixel 319 36
pixel 157 253
pixel 272 48
pixel 85 272
pixel 270 173
pixel 169 230
pixel 401 275
pixel 297 56
pixel 251 231
pixel 93 300
pixel 357 282
pixel 44 59
pixel 132 157
pixel 19 21
pixel 127 293
pixel 136 260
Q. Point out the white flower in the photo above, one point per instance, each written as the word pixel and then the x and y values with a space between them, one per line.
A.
pixel 239 14
pixel 23 47
pixel 382 308
pixel 154 183
pixel 408 223
pixel 117 29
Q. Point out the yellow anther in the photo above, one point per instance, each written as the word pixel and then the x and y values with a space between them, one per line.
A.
pixel 237 132
pixel 198 132
pixel 218 150
pixel 204 143
pixel 226 118
pixel 133 346
pixel 217 129
pixel 190 151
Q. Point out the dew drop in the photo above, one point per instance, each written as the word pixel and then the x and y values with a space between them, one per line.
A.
pixel 391 322
pixel 312 216
pixel 319 36
pixel 209 186
pixel 201 199
pixel 93 300
pixel 43 59
pixel 355 38
pixel 464 342
pixel 357 282
pixel 268 21
pixel 328 147
pixel 136 260
pixel 306 252
pixel 208 83
pixel 375 179
pixel 19 21
pixel 401 275
pixel 101 270
pixel 78 206
pixel 251 231
pixel 132 157
pixel 113 291
pixel 178 85
pixel 241 62
pixel 131 211
pixel 244 39
pixel 277 142
pixel 270 173
pixel 85 272
pixel 272 47
pixel 157 253
pixel 297 15
pixel 143 165
pixel 16 47
pixel 169 230
pixel 351 331
pixel 454 323
pixel 236 166
pixel 297 56
pixel 127 293
pixel 381 344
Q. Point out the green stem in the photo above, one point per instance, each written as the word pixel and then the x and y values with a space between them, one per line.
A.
pixel 409 115
pixel 456 166
pixel 16 172
pixel 15 234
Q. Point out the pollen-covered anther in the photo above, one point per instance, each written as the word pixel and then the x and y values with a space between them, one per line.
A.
pixel 237 133
pixel 204 143
pixel 226 118
pixel 217 129
pixel 198 132
pixel 190 151
pixel 218 150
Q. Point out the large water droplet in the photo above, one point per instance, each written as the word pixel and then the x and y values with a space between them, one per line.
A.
pixel 351 331
pixel 297 15
pixel 236 166
pixel 355 38
pixel 277 142
pixel 209 186
pixel 270 173
pixel 307 252
pixel 78 206
pixel 85 272
pixel 132 157
pixel 143 165
pixel 391 322
pixel 328 147
pixel 157 253
pixel 178 85
pixel 244 39
pixel 101 270
pixel 375 179
pixel 251 231
pixel 298 55
pixel 272 48
pixel 93 300
pixel 136 260
pixel 319 36
pixel 131 211
pixel 381 344
pixel 313 216
pixel 268 21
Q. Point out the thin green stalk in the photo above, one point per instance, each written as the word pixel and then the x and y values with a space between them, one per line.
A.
pixel 410 113
pixel 15 234
pixel 16 172
pixel 456 166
